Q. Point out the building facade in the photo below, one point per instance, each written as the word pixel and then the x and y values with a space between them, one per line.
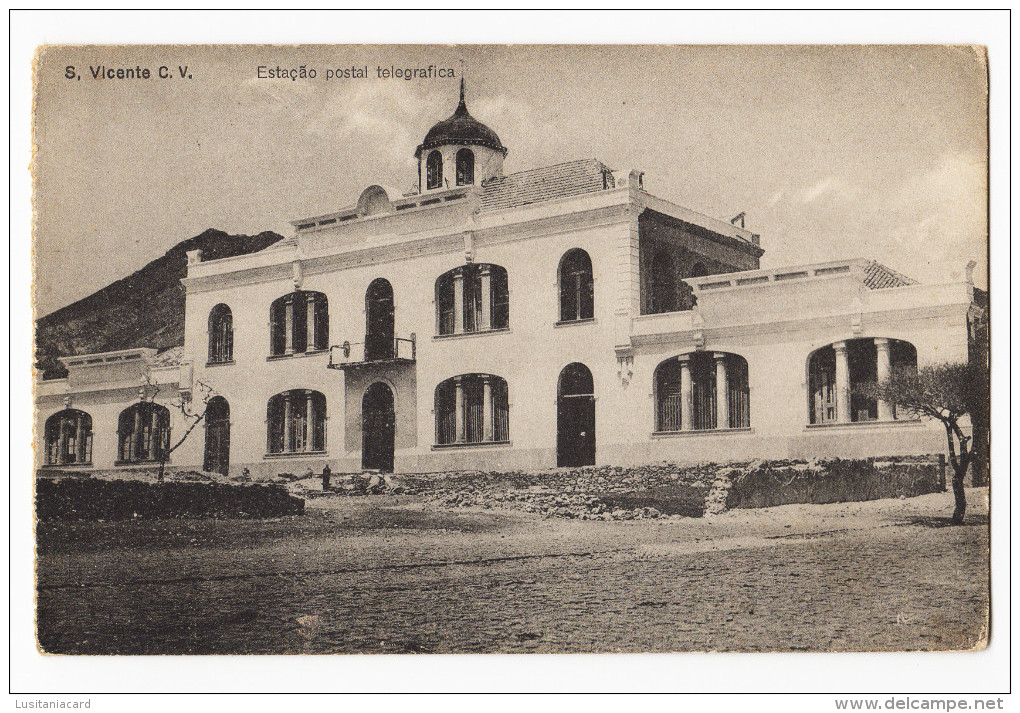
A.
pixel 557 316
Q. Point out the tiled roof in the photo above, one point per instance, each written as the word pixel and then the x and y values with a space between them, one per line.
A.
pixel 880 277
pixel 544 184
pixel 170 357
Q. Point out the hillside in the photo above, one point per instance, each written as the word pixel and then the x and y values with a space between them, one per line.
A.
pixel 145 309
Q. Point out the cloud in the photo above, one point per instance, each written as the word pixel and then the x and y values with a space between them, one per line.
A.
pixel 827 185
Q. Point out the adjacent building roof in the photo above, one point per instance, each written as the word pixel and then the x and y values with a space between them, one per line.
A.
pixel 169 357
pixel 880 277
pixel 547 183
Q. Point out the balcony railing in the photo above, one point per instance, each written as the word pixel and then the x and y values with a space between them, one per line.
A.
pixel 349 355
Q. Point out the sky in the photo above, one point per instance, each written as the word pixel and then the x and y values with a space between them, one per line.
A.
pixel 832 151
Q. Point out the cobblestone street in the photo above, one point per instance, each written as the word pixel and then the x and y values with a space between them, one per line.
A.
pixel 389 576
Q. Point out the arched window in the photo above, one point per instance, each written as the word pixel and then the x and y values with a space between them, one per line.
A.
pixel 702 391
pixel 379 336
pixel 472 408
pixel 221 335
pixel 69 438
pixel 577 287
pixel 434 170
pixel 838 373
pixel 299 322
pixel 465 167
pixel 472 298
pixel 143 433
pixel 296 422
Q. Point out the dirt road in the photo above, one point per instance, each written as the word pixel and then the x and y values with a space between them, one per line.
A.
pixel 388 575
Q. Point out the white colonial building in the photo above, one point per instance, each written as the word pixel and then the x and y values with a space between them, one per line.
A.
pixel 557 316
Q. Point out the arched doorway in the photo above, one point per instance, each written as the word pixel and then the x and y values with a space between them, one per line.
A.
pixel 575 417
pixel 377 428
pixel 217 436
pixel 379 321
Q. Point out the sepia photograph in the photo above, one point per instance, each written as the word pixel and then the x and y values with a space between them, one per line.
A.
pixel 510 349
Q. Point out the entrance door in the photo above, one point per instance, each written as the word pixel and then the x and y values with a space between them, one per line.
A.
pixel 379 321
pixel 575 417
pixel 377 428
pixel 217 436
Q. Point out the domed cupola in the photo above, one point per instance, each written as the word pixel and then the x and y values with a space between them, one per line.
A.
pixel 459 151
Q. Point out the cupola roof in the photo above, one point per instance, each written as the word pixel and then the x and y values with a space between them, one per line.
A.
pixel 461 128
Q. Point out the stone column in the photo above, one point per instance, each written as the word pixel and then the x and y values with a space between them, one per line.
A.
pixel 309 414
pixel 286 422
pixel 487 408
pixel 486 298
pixel 458 302
pixel 883 372
pixel 62 442
pixel 311 324
pixel 79 440
pixel 686 394
pixel 156 439
pixel 460 419
pixel 842 383
pixel 288 324
pixel 136 438
pixel 722 393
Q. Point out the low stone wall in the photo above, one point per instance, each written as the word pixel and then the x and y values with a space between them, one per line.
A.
pixel 772 483
pixel 96 499
pixel 664 489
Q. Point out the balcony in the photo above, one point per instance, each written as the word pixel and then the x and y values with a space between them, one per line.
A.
pixel 372 352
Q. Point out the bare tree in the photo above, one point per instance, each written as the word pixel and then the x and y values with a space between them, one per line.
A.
pixel 946 392
pixel 192 406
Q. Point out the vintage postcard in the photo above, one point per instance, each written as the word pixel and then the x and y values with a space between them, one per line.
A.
pixel 509 349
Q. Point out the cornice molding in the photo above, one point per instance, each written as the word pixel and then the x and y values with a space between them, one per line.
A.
pixel 843 320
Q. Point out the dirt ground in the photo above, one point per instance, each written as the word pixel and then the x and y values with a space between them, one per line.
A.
pixel 385 574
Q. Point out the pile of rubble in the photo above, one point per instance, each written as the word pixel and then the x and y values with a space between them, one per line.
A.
pixel 644 492
pixel 593 493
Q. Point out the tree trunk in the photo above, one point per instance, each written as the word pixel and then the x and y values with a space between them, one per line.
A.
pixel 959 496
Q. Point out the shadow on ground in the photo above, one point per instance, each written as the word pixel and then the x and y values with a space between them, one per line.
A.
pixel 936 522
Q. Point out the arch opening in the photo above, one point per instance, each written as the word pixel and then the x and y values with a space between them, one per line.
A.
pixel 217 436
pixel 221 335
pixel 472 298
pixel 379 321
pixel 577 286
pixel 465 167
pixel 143 433
pixel 299 323
pixel 702 391
pixel 434 171
pixel 839 375
pixel 575 417
pixel 296 422
pixel 68 436
pixel 472 408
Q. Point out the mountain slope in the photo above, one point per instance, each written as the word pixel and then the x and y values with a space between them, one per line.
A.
pixel 145 309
